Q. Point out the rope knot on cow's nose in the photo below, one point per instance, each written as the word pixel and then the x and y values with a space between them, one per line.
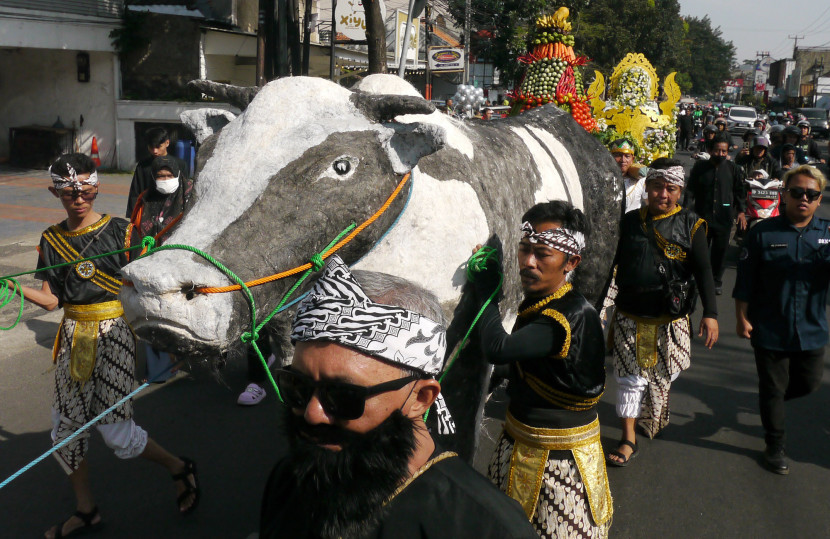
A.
pixel 317 262
pixel 249 336
pixel 148 242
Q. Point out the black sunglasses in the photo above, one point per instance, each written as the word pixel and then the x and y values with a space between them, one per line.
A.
pixel 87 195
pixel 798 192
pixel 339 399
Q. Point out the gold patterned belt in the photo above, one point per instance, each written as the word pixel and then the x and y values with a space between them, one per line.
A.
pixel 84 348
pixel 530 457
pixel 646 337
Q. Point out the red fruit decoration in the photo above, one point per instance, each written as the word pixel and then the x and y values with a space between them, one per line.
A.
pixel 553 73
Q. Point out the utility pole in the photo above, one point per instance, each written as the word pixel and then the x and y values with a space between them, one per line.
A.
pixel 467 24
pixel 405 45
pixel 306 37
pixel 260 45
pixel 333 38
pixel 428 42
pixel 795 46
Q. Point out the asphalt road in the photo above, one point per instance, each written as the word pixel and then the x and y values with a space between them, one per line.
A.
pixel 701 478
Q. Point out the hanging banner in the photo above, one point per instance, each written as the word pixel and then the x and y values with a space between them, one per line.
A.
pixel 446 59
pixel 414 38
pixel 351 18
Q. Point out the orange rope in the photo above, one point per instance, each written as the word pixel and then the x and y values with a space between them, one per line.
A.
pixel 304 267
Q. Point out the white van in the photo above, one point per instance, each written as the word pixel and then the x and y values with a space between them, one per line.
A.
pixel 739 120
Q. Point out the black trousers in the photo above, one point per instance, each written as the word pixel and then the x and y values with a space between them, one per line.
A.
pixel 718 238
pixel 783 376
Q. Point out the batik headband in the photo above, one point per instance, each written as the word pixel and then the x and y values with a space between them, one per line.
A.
pixel 568 241
pixel 72 180
pixel 675 175
pixel 337 309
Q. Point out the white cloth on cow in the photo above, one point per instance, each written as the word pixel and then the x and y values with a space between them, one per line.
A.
pixel 337 309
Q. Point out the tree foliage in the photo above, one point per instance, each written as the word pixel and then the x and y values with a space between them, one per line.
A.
pixel 605 31
pixel 709 57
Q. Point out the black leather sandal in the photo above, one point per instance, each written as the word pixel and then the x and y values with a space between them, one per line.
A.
pixel 191 489
pixel 88 526
pixel 624 461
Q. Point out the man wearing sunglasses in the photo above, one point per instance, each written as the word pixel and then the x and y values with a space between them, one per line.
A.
pixel 95 348
pixel 780 298
pixel 361 461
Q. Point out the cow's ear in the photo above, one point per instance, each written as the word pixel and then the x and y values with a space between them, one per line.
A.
pixel 406 144
pixel 204 123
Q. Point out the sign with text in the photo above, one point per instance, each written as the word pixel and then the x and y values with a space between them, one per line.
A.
pixel 351 18
pixel 446 59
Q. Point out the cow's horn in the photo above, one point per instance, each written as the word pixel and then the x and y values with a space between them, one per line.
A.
pixel 385 107
pixel 238 96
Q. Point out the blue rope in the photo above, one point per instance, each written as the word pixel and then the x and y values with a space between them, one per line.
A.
pixel 142 387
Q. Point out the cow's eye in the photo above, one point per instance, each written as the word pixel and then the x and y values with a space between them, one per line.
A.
pixel 342 166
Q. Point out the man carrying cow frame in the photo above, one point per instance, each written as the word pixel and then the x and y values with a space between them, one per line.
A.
pixel 550 449
pixel 661 248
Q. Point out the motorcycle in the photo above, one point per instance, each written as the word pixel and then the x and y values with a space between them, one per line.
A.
pixel 763 199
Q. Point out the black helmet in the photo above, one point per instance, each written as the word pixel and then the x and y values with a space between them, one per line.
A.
pixel 720 121
pixel 710 129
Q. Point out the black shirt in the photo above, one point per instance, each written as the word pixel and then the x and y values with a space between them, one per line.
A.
pixel 448 500
pixel 143 179
pixel 107 234
pixel 716 192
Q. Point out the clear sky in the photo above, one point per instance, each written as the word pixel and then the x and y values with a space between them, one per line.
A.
pixel 763 25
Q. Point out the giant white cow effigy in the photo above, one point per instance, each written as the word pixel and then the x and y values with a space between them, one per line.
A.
pixel 307 156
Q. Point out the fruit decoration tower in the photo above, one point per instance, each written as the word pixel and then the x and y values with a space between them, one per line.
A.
pixel 553 73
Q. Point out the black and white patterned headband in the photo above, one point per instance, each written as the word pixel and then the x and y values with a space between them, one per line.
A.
pixel 337 309
pixel 568 241
pixel 72 181
pixel 675 175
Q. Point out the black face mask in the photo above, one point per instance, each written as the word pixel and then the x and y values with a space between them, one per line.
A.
pixel 341 493
pixel 716 159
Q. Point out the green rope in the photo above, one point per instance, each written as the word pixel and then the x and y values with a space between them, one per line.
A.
pixel 64 264
pixel 7 294
pixel 476 264
pixel 316 265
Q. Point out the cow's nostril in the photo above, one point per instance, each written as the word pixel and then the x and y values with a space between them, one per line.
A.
pixel 188 291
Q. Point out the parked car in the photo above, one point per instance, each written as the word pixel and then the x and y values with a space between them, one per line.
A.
pixel 818 121
pixel 740 119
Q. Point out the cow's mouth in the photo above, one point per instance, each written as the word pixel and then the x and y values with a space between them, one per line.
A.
pixel 175 338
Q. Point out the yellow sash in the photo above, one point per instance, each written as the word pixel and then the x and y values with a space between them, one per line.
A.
pixel 85 337
pixel 530 456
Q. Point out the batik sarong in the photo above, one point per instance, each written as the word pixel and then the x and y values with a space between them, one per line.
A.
pixel 553 491
pixel 656 352
pixel 111 378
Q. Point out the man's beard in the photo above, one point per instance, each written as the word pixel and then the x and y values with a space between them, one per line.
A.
pixel 341 494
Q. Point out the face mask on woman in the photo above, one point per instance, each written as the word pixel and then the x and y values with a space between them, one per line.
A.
pixel 167 187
